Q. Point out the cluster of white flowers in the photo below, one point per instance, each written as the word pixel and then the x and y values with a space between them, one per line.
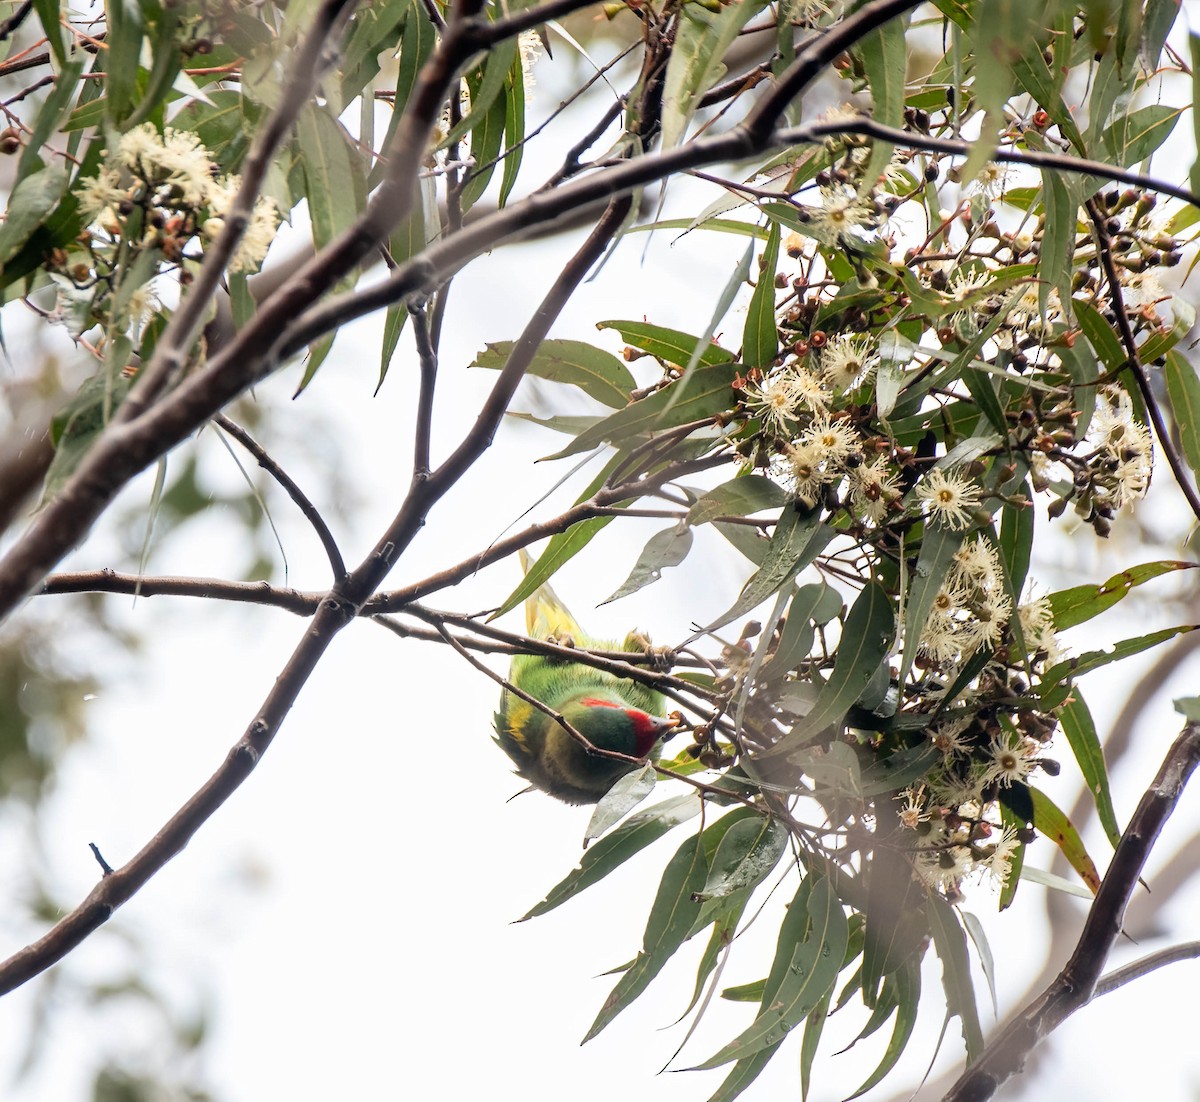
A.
pixel 1127 460
pixel 171 184
pixel 971 608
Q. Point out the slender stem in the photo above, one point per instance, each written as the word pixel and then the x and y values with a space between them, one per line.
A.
pixel 1134 363
pixel 336 563
pixel 427 359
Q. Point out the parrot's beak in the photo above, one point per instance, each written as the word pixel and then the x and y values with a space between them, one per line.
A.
pixel 663 724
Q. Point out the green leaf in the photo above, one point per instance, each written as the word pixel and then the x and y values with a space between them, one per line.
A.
pixel 670 922
pixel 907 982
pixel 799 537
pixel 814 1025
pixel 1183 388
pixel 885 60
pixel 1058 240
pixel 487 139
pixel 865 643
pixel 816 603
pixel 561 548
pixel 597 373
pixel 743 1074
pixel 629 791
pixel 614 849
pixel 951 945
pixel 695 64
pixel 669 345
pixel 707 391
pixel 1078 726
pixel 1134 137
pixel 739 497
pixel 30 203
pixel 1194 55
pixel 760 337
pixel 123 45
pixel 50 15
pixel 514 129
pixel 1016 538
pixel 1080 603
pixel 664 549
pixel 938 545
pixel 1050 820
pixel 811 949
pixel 50 116
pixel 984 949
pixel 1188 707
pixel 1100 336
pixel 74 429
pixel 496 71
pixel 748 852
pixel 1054 693
pixel 331 174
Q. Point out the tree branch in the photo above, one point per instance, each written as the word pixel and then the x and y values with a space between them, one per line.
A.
pixel 339 607
pixel 1075 986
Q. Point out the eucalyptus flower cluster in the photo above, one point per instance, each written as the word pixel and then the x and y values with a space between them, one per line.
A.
pixel 153 207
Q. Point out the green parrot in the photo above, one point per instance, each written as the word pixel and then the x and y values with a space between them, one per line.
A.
pixel 612 713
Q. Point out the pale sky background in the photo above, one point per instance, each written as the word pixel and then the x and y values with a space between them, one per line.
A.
pixel 348 915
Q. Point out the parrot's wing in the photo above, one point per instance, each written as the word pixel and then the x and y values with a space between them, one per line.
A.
pixel 546 615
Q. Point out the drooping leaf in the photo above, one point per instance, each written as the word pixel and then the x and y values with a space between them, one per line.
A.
pixel 597 373
pixel 866 640
pixel 1134 137
pixel 29 205
pixel 671 917
pixel 1050 821
pixel 1080 729
pixel 760 336
pixel 811 949
pixel 663 550
pixel 938 545
pixel 1016 537
pixel 614 849
pixel 1080 603
pixel 628 791
pixel 987 962
pixel 1183 388
pixel 797 540
pixel 738 497
pixel 885 59
pixel 907 983
pixel 695 63
pixel 951 945
pixel 748 852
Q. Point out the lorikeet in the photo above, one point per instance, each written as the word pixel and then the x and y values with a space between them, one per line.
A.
pixel 611 712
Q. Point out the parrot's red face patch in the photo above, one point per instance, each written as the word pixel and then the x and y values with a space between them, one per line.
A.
pixel 645 729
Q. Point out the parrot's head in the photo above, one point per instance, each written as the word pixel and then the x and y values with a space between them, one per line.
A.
pixel 609 723
pixel 574 773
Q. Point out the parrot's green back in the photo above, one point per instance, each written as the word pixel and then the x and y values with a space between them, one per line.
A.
pixel 613 713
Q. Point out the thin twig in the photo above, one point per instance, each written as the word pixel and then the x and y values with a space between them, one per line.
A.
pixel 1134 363
pixel 311 514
